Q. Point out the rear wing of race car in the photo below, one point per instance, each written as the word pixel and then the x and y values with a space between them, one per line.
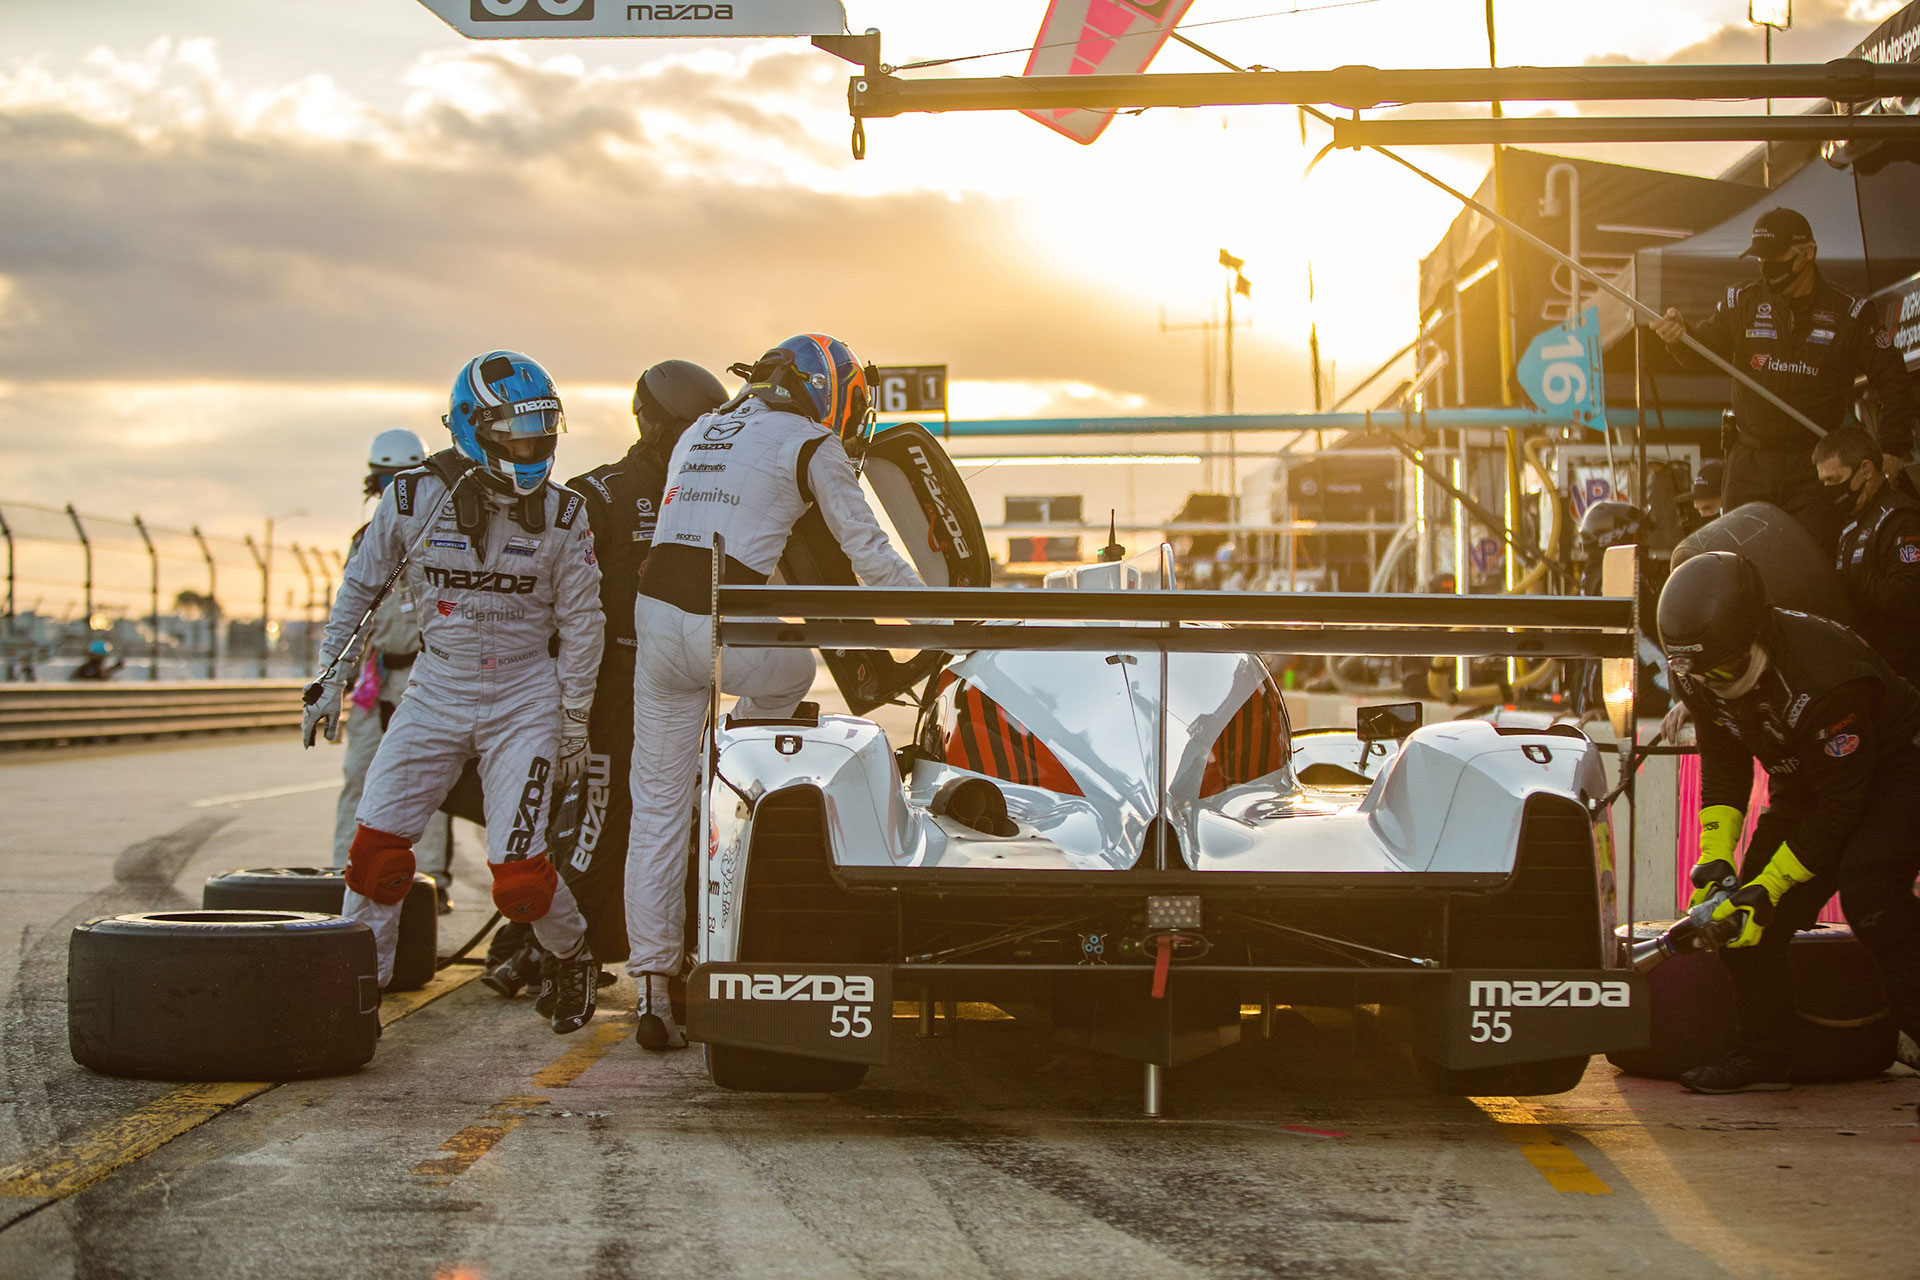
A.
pixel 951 620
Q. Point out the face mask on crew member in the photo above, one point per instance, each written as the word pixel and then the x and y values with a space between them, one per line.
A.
pixel 1780 272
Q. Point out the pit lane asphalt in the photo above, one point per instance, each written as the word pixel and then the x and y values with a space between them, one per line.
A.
pixel 477 1143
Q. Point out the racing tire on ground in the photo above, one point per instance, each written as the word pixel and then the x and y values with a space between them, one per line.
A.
pixel 1518 1079
pixel 759 1071
pixel 222 995
pixel 415 954
pixel 1845 1030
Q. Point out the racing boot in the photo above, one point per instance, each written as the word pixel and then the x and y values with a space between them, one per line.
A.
pixel 568 990
pixel 1737 1071
pixel 513 960
pixel 657 1029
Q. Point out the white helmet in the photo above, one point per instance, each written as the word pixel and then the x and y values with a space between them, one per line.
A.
pixel 396 450
pixel 392 452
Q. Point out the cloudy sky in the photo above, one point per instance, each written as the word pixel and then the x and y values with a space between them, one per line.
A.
pixel 239 238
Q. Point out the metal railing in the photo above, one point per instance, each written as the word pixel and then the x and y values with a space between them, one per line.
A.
pixel 51 714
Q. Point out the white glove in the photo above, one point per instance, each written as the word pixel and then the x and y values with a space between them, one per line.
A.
pixel 571 765
pixel 320 709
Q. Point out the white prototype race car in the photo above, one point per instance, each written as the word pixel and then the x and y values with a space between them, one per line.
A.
pixel 1112 826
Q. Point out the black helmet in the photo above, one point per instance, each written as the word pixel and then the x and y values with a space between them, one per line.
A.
pixel 672 394
pixel 1712 610
pixel 1608 523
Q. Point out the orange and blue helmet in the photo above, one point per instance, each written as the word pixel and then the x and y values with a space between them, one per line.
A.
pixel 815 376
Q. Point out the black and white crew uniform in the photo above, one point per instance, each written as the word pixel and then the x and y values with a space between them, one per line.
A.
pixel 746 474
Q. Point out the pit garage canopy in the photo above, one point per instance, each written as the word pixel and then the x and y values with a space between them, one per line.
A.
pixel 1860 201
pixel 1866 240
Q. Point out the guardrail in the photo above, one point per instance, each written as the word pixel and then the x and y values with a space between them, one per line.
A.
pixel 45 714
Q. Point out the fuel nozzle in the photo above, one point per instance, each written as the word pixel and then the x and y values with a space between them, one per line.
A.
pixel 1696 931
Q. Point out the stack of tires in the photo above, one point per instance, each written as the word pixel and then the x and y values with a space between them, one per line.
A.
pixel 1845 1031
pixel 267 982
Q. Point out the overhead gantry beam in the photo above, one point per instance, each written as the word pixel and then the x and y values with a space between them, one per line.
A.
pixel 877 94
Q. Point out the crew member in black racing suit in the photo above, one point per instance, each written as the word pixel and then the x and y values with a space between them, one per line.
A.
pixel 1879 554
pixel 623 502
pixel 1804 340
pixel 1834 727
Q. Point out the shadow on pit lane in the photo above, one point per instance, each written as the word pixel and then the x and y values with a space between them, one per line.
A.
pixel 1318 1065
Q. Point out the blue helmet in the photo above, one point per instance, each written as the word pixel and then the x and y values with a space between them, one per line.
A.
pixel 98 648
pixel 505 415
pixel 815 376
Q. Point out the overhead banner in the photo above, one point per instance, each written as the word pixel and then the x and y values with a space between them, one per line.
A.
pixel 1561 372
pixel 572 19
pixel 1110 37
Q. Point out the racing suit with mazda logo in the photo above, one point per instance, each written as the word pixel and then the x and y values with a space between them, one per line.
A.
pixel 485 684
pixel 1834 727
pixel 623 502
pixel 747 474
pixel 1807 351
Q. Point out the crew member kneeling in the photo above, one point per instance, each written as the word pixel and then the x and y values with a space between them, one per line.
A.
pixel 499 561
pixel 746 472
pixel 1834 727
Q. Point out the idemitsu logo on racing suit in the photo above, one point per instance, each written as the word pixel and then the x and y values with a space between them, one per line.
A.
pixel 527 817
pixel 506 584
pixel 1500 993
pixel 939 497
pixel 823 987
pixel 707 495
pixel 531 11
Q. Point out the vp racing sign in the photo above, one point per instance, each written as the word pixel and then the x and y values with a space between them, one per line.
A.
pixel 843 1012
pixel 524 19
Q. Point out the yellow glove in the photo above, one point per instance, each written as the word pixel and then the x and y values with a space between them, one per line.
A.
pixel 1720 826
pixel 1752 904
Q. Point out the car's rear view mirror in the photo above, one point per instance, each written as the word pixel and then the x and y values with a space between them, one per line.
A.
pixel 1388 721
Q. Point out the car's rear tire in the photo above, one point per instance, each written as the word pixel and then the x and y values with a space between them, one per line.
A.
pixel 1519 1079
pixel 222 995
pixel 759 1071
pixel 322 889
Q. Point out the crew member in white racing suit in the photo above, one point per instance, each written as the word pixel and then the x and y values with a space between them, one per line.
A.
pixel 390 647
pixel 500 562
pixel 746 472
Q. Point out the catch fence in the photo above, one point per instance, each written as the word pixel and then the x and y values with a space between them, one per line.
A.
pixel 169 603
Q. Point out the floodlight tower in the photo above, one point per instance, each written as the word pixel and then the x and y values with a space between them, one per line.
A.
pixel 1769 16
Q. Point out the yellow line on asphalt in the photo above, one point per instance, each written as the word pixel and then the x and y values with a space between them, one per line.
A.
pixel 1563 1170
pixel 75 1165
pixel 464 1149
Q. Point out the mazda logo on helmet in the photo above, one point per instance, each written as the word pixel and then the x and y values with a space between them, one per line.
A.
pixel 531 10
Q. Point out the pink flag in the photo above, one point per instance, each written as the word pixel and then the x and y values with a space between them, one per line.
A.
pixel 1112 37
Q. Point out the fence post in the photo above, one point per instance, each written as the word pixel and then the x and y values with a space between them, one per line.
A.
pixel 213 608
pixel 7 531
pixel 86 549
pixel 326 586
pixel 300 558
pixel 265 601
pixel 153 599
